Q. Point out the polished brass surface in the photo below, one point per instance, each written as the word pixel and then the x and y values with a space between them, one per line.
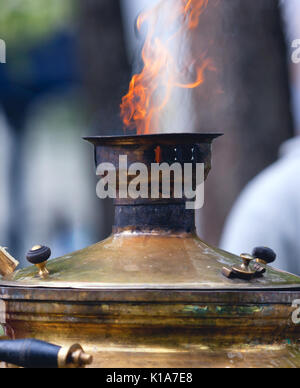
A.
pixel 245 267
pixel 162 328
pixel 244 271
pixel 36 247
pixel 260 261
pixel 43 272
pixel 142 261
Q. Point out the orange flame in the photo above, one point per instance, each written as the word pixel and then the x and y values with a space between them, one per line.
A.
pixel 150 91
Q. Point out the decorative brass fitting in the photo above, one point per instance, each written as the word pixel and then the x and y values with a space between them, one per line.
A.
pixel 36 247
pixel 73 357
pixel 38 255
pixel 260 261
pixel 245 271
pixel 32 353
pixel 43 272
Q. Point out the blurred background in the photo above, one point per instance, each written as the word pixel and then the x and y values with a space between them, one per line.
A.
pixel 68 64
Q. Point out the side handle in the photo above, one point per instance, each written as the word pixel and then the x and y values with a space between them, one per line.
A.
pixel 30 353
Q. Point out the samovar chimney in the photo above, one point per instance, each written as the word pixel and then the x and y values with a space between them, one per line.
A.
pixel 155 215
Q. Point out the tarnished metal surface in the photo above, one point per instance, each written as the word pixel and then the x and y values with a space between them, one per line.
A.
pixel 149 262
pixel 153 294
pixel 165 139
pixel 162 328
pixel 154 244
pixel 173 148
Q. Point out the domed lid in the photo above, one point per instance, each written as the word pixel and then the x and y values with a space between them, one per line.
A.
pixel 140 261
pixel 154 244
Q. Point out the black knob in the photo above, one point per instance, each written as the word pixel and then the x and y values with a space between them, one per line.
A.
pixel 264 254
pixel 38 254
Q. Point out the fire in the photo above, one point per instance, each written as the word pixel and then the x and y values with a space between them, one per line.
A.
pixel 151 90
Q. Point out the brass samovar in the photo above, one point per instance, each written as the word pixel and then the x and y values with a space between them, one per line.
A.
pixel 154 294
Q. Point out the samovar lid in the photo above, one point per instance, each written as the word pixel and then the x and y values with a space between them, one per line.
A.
pixel 154 245
pixel 149 262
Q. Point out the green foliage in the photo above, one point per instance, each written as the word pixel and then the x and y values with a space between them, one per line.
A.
pixel 23 22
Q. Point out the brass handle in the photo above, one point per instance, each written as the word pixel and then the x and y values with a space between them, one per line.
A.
pixel 31 353
pixel 38 255
pixel 245 271
pixel 246 262
pixel 261 256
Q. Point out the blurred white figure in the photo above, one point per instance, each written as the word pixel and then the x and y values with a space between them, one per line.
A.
pixel 268 211
pixel 291 11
